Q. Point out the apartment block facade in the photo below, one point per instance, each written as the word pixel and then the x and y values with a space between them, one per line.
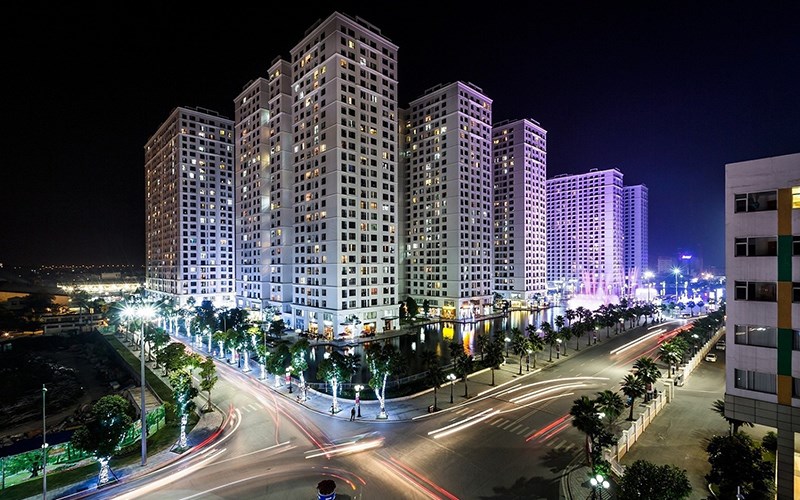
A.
pixel 584 233
pixel 519 151
pixel 189 205
pixel 762 260
pixel 634 236
pixel 448 200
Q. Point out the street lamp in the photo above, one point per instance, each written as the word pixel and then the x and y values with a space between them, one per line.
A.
pixel 558 349
pixel 44 445
pixel 648 276
pixel 289 377
pixel 507 340
pixel 358 389
pixel 452 378
pixel 599 484
pixel 677 272
pixel 528 360
pixel 145 313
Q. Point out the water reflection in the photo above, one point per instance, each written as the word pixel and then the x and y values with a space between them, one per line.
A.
pixel 437 337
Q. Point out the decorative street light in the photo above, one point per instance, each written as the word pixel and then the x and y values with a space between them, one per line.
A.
pixel 452 378
pixel 44 445
pixel 599 484
pixel 289 377
pixel 144 313
pixel 648 276
pixel 528 360
pixel 358 389
pixel 677 272
pixel 507 340
pixel 558 349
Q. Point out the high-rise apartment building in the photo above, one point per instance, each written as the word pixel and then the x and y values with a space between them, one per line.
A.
pixel 584 232
pixel 448 205
pixel 189 222
pixel 264 201
pixel 317 151
pixel 519 149
pixel 634 236
pixel 762 260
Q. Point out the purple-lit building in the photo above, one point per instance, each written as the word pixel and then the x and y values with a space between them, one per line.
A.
pixel 585 233
pixel 447 251
pixel 189 218
pixel 519 149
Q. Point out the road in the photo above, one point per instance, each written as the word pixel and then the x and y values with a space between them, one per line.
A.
pixel 511 440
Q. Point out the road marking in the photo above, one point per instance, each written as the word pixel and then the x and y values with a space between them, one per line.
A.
pixel 523 430
pixel 494 421
pixel 506 426
pixel 254 407
pixel 559 445
pixel 512 429
pixel 570 445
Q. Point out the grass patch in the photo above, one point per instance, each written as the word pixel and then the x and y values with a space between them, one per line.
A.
pixel 164 439
pixel 158 386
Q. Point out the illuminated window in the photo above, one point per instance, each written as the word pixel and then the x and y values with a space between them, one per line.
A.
pixel 796 197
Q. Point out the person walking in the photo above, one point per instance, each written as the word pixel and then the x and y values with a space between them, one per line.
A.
pixel 352 413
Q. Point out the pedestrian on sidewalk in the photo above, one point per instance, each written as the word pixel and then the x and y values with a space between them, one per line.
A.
pixel 352 413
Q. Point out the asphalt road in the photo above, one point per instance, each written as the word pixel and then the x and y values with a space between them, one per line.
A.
pixel 513 440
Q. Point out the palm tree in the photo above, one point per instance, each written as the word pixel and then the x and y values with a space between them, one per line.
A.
pixel 718 406
pixel 611 405
pixel 647 370
pixel 586 418
pixel 463 367
pixel 481 342
pixel 672 355
pixel 493 355
pixel 550 337
pixel 570 315
pixel 535 344
pixel 519 345
pixel 559 322
pixel 435 374
pixel 632 387
pixel 691 305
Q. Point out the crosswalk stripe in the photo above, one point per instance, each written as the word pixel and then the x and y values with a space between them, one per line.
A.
pixel 559 445
pixel 494 421
pixel 567 448
pixel 254 407
pixel 506 426
pixel 512 429
pixel 523 430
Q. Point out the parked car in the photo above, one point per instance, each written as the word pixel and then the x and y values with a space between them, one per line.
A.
pixel 711 357
pixel 720 345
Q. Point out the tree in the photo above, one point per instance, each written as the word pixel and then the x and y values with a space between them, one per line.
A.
pixel 462 365
pixel 672 354
pixel 550 337
pixel 434 373
pixel 426 307
pixel 648 372
pixel 277 362
pixel 276 328
pixel 299 351
pixel 493 356
pixel 412 307
pixel 208 377
pixel 382 361
pixel 535 344
pixel 481 342
pixel 100 436
pixel 332 369
pixel 644 479
pixel 632 387
pixel 734 425
pixel 691 305
pixel 352 363
pixel 173 357
pixel 184 393
pixel 737 461
pixel 519 345
pixel 611 405
pixel 586 418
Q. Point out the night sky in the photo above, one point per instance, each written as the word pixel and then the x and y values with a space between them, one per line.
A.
pixel 668 92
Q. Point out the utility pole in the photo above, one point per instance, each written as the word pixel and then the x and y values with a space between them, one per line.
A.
pixel 44 444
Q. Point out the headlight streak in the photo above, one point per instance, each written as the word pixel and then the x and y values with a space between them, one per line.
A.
pixel 547 390
pixel 463 424
pixel 409 478
pixel 423 478
pixel 346 448
pixel 160 483
pixel 546 428
pixel 526 405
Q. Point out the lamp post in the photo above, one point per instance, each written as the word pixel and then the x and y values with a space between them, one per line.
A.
pixel 452 378
pixel 44 445
pixel 677 272
pixel 289 377
pixel 507 340
pixel 558 349
pixel 145 313
pixel 599 484
pixel 528 360
pixel 358 389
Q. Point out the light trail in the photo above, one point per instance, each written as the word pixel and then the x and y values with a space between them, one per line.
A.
pixel 546 428
pixel 463 424
pixel 423 478
pixel 164 481
pixel 636 342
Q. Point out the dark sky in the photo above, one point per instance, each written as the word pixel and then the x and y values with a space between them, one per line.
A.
pixel 668 92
